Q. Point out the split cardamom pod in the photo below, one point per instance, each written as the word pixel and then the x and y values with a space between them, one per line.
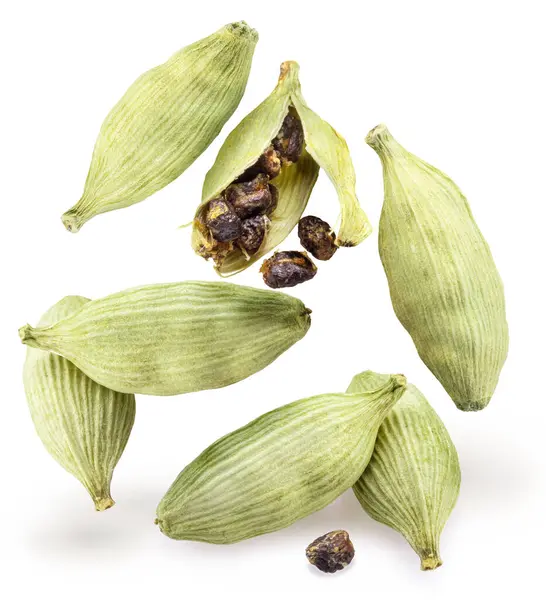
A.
pixel 279 468
pixel 83 425
pixel 413 478
pixel 165 120
pixel 444 286
pixel 175 338
pixel 267 167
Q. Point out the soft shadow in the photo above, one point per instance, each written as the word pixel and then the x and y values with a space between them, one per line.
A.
pixel 73 530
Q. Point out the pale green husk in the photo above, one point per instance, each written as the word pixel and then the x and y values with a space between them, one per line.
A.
pixel 176 338
pixel 83 425
pixel 324 148
pixel 413 478
pixel 277 469
pixel 444 285
pixel 165 120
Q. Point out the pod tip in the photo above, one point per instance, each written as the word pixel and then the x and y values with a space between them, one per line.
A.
pixel 25 333
pixel 472 405
pixel 429 563
pixel 400 380
pixel 243 30
pixel 376 134
pixel 71 221
pixel 103 503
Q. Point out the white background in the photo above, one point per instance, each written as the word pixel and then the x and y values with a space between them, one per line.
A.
pixel 459 84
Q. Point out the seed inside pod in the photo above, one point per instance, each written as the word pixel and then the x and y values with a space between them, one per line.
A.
pixel 331 552
pixel 289 141
pixel 317 237
pixel 253 234
pixel 287 269
pixel 250 198
pixel 222 221
pixel 268 163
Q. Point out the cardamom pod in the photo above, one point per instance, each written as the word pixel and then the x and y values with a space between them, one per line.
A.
pixel 413 478
pixel 83 425
pixel 444 286
pixel 279 468
pixel 175 338
pixel 268 166
pixel 165 120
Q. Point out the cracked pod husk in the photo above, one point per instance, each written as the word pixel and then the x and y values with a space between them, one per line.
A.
pixel 413 478
pixel 444 285
pixel 249 146
pixel 165 120
pixel 283 466
pixel 175 338
pixel 83 425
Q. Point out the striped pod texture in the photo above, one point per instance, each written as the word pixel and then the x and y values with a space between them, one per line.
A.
pixel 177 337
pixel 279 468
pixel 444 286
pixel 83 425
pixel 165 120
pixel 413 478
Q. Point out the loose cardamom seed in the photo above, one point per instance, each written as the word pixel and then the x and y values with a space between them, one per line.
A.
pixel 165 120
pixel 175 338
pixel 281 141
pixel 331 552
pixel 413 478
pixel 83 425
pixel 287 269
pixel 444 286
pixel 317 237
pixel 279 468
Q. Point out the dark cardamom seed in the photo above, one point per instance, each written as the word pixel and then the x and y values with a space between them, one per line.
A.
pixel 287 269
pixel 331 552
pixel 253 234
pixel 250 198
pixel 269 163
pixel 317 237
pixel 290 139
pixel 223 223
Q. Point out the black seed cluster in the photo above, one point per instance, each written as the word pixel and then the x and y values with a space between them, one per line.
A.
pixel 240 214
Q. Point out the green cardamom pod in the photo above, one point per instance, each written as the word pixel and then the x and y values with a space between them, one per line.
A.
pixel 281 467
pixel 444 286
pixel 285 142
pixel 165 120
pixel 413 478
pixel 175 338
pixel 83 425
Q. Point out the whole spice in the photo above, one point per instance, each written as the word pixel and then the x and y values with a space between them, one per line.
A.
pixel 165 120
pixel 413 478
pixel 279 468
pixel 278 148
pixel 317 237
pixel 177 337
pixel 444 285
pixel 83 425
pixel 287 269
pixel 331 552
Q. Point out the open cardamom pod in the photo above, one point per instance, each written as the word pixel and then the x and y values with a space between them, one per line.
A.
pixel 175 338
pixel 281 467
pixel 268 166
pixel 413 478
pixel 165 120
pixel 83 425
pixel 444 286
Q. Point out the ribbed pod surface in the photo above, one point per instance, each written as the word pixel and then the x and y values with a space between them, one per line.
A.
pixel 281 467
pixel 175 338
pixel 165 120
pixel 413 478
pixel 444 285
pixel 83 425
